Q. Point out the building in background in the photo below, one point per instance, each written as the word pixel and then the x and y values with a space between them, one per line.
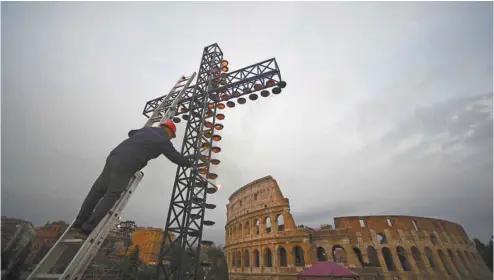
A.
pixel 263 241
pixel 149 241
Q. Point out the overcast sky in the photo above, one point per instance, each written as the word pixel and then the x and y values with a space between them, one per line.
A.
pixel 385 110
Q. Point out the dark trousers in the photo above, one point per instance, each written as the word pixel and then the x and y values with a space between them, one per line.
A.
pixel 105 192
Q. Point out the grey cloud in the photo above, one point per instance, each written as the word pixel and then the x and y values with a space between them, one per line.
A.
pixel 454 185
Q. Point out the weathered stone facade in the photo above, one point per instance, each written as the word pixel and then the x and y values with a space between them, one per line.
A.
pixel 263 242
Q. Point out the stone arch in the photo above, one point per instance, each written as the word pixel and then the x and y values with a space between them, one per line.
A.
pixel 321 254
pixel 282 257
pixel 267 221
pixel 234 231
pixel 257 259
pixel 280 221
pixel 402 256
pixel 462 260
pixel 268 258
pixel 430 257
pixel 257 225
pixel 436 226
pixel 443 259
pixel 381 238
pixel 467 256
pixel 388 258
pixel 239 259
pixel 234 259
pixel 246 258
pixel 471 262
pixel 373 257
pixel 434 239
pixel 473 255
pixel 453 238
pixel 298 256
pixel 466 264
pixel 339 254
pixel 247 228
pixel 240 230
pixel 454 261
pixel 357 252
pixel 417 257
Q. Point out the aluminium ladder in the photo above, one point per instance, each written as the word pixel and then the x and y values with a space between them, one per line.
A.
pixel 84 250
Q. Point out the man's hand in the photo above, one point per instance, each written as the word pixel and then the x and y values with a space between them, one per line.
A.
pixel 191 160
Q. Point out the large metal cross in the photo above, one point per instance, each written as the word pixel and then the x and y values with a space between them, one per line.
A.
pixel 215 89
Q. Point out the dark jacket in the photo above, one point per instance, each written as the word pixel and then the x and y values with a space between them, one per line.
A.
pixel 145 144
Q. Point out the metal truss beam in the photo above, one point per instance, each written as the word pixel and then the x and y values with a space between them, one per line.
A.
pixel 185 218
pixel 236 83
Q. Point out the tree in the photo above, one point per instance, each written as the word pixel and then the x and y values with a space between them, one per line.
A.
pixel 218 269
pixel 487 256
pixel 485 251
pixel 146 272
pixel 129 267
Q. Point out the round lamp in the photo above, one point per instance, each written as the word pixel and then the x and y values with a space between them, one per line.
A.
pixel 230 104
pixel 220 117
pixel 253 96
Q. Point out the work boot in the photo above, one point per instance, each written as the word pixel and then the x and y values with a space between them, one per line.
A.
pixel 78 223
pixel 87 228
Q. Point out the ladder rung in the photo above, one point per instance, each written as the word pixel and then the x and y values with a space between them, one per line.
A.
pixel 48 276
pixel 73 240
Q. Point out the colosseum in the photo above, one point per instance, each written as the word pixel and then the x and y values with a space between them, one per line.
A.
pixel 264 242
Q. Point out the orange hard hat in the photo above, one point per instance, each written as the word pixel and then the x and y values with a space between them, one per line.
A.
pixel 170 125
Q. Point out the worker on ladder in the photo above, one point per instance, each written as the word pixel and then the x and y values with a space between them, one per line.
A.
pixel 123 162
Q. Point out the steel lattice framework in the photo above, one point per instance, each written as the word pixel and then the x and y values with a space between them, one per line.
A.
pixel 179 257
pixel 237 81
